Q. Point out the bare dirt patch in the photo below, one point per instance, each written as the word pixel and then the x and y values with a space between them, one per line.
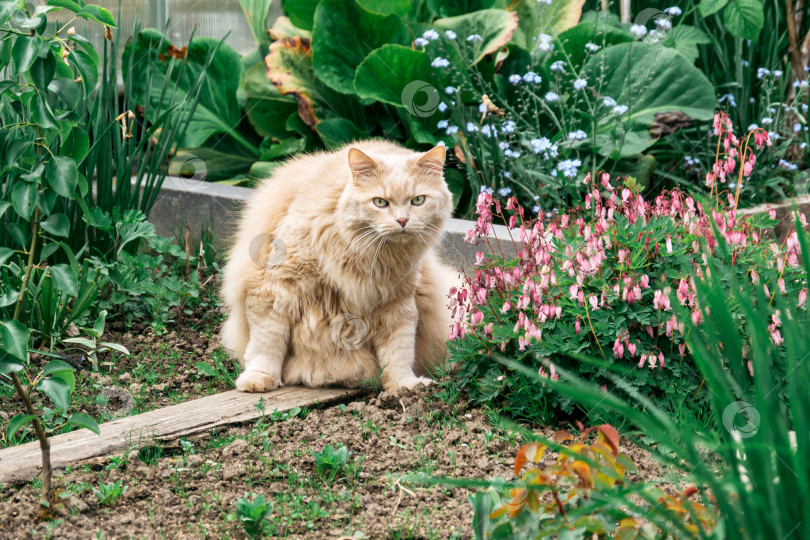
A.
pixel 190 491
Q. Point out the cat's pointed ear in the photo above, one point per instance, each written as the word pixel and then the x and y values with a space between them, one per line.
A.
pixel 432 162
pixel 361 165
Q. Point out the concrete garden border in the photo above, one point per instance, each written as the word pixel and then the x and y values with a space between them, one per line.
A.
pixel 200 204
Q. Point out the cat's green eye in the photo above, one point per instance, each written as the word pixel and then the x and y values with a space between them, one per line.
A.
pixel 379 202
pixel 418 200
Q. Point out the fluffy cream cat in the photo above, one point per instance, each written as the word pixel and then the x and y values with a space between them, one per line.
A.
pixel 333 274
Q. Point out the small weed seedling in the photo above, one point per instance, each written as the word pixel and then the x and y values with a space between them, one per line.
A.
pixel 394 442
pixel 253 514
pixel 116 462
pixel 107 494
pixel 219 370
pixel 331 462
pixel 281 416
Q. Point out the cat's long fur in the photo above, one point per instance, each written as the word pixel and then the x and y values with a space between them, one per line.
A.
pixel 324 287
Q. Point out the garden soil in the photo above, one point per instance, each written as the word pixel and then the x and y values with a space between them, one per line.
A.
pixel 193 493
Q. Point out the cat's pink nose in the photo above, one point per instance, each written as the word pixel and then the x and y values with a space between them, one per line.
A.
pixel 402 221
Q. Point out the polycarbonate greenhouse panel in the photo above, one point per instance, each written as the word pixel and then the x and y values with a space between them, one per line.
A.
pixel 210 18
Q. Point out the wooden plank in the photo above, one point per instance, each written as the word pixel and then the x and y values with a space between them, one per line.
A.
pixel 22 463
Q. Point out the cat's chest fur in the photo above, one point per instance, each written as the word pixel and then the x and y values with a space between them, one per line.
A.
pixel 328 288
pixel 336 313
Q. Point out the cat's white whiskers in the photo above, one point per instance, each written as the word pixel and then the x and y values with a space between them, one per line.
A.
pixel 361 256
pixel 374 262
pixel 364 241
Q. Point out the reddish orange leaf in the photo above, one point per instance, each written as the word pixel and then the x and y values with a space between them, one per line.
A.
pixel 498 512
pixel 583 470
pixel 529 453
pixel 561 436
pixel 515 506
pixel 610 436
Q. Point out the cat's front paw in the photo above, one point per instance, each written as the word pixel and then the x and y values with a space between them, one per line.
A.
pixel 408 383
pixel 257 381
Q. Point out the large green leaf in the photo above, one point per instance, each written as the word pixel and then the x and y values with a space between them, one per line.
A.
pixel 218 110
pixel 649 79
pixel 25 51
pixel 289 68
pixel 61 370
pixel 452 8
pixel 87 67
pixel 685 39
pixel 23 198
pixel 708 7
pixel 744 18
pixel 385 7
pixel 66 89
pixel 256 12
pixel 16 423
pixel 300 12
pixel 335 132
pixel 62 175
pixel 535 18
pixel 386 72
pixel 98 14
pixel 598 30
pixel 283 148
pixel 64 278
pixel 266 108
pixel 42 70
pixel 76 144
pixel 57 390
pixel 342 36
pixel 56 225
pixel 15 337
pixel 7 7
pixel 41 113
pixel 216 164
pixel 9 364
pixel 494 26
pixel 46 200
pixel 85 421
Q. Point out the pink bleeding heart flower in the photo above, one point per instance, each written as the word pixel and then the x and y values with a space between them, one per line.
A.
pixel 618 349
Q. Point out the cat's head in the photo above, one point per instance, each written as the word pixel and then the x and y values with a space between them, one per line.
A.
pixel 401 195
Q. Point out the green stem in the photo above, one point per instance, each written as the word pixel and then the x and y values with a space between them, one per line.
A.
pixel 44 444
